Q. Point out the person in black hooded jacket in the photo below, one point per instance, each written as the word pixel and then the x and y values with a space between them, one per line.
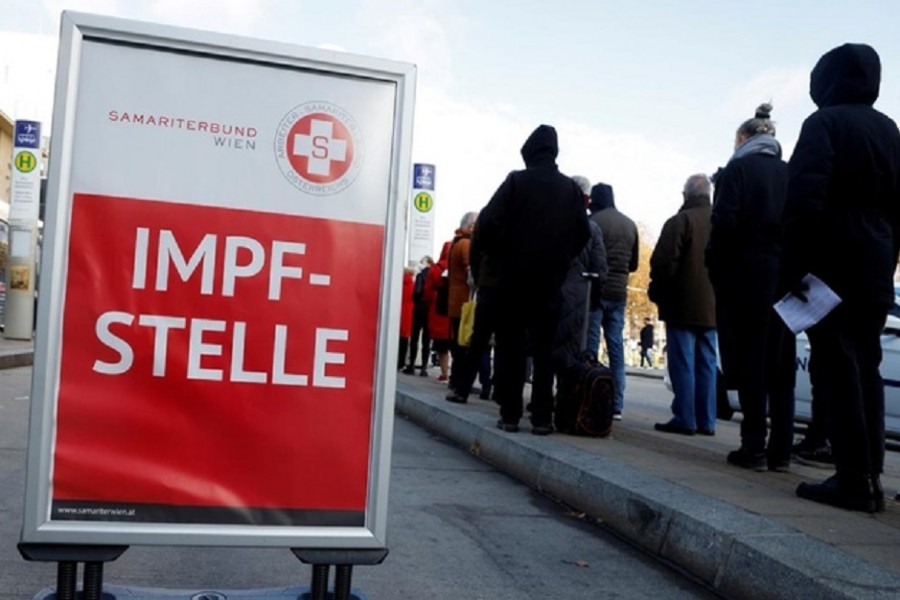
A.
pixel 842 221
pixel 531 229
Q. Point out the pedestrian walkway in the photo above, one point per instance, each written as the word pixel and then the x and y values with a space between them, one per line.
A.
pixel 15 353
pixel 744 533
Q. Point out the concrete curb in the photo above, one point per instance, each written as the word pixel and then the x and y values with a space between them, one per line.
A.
pixel 738 553
pixel 11 359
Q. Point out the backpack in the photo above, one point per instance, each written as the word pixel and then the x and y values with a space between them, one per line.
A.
pixel 589 409
pixel 442 301
pixel 585 400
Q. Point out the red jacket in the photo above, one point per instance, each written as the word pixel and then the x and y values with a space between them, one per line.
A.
pixel 438 325
pixel 406 306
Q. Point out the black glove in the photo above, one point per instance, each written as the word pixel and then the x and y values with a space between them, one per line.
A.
pixel 799 289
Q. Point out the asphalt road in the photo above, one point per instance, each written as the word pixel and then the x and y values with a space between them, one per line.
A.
pixel 458 529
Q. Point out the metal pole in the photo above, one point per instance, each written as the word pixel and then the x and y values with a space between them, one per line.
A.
pixel 319 588
pixel 93 580
pixel 66 576
pixel 343 574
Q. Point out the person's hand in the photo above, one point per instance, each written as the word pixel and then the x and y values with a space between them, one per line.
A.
pixel 799 289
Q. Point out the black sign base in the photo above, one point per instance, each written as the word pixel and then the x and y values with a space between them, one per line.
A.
pixel 343 561
pixel 67 557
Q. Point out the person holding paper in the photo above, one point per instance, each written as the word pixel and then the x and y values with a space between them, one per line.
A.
pixel 743 253
pixel 842 221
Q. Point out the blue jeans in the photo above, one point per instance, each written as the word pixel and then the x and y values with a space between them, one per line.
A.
pixel 692 368
pixel 611 318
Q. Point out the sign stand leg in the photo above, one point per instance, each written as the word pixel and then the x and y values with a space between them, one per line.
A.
pixel 66 577
pixel 93 580
pixel 343 560
pixel 343 575
pixel 67 557
pixel 319 586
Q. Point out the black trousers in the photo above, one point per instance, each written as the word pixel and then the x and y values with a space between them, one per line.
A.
pixel 419 330
pixel 522 317
pixel 817 434
pixel 846 355
pixel 485 325
pixel 457 353
pixel 770 390
pixel 401 352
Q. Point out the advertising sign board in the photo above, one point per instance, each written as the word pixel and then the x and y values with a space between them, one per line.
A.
pixel 221 292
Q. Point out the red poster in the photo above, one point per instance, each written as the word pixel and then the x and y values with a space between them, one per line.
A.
pixel 217 365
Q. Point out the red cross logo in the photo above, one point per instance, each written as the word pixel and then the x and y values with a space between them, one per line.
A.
pixel 320 148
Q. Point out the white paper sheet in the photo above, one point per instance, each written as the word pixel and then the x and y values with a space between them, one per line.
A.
pixel 799 315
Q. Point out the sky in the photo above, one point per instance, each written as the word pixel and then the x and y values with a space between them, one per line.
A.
pixel 643 93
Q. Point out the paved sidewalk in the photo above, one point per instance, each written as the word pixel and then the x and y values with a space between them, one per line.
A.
pixel 15 353
pixel 745 534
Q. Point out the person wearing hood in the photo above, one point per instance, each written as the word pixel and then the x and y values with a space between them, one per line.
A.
pixel 743 253
pixel 680 287
pixel 532 228
pixel 620 236
pixel 842 220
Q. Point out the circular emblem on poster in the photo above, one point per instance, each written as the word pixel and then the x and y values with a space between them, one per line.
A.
pixel 319 148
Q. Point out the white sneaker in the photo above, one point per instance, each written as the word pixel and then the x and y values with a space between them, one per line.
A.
pixel 617 416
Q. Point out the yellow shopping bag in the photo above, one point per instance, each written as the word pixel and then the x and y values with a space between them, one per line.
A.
pixel 466 323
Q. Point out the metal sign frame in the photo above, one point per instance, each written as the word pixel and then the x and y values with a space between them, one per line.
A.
pixel 78 29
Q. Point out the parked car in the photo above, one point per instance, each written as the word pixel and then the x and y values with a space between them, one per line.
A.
pixel 727 400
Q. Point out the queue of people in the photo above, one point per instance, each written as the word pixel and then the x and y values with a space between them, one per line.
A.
pixel 737 244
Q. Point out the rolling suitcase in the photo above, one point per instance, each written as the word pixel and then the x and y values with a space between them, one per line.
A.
pixel 586 397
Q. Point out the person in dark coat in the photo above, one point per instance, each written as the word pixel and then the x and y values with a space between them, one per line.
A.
pixel 843 226
pixel 743 254
pixel 487 305
pixel 532 228
pixel 620 237
pixel 420 321
pixel 647 342
pixel 570 343
pixel 680 287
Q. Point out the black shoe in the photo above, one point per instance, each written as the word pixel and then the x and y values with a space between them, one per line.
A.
pixel 408 370
pixel 671 427
pixel 423 373
pixel 834 491
pixel 779 466
pixel 456 397
pixel 507 427
pixel 542 429
pixel 878 493
pixel 807 444
pixel 485 394
pixel 743 458
pixel 708 432
pixel 816 457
